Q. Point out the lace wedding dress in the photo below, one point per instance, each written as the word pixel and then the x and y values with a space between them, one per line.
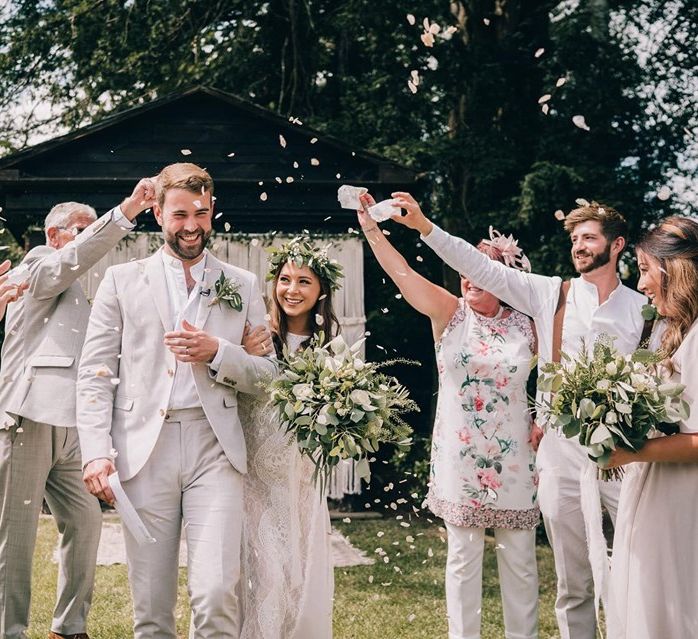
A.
pixel 287 576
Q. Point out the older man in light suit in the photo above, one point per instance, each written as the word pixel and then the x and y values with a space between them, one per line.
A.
pixel 39 449
pixel 170 328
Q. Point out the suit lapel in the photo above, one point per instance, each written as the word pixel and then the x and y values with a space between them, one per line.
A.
pixel 213 271
pixel 157 285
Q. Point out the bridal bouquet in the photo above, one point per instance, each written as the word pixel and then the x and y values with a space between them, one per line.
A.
pixel 340 407
pixel 609 399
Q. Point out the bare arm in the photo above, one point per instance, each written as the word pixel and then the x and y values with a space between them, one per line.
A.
pixel 679 448
pixel 424 296
pixel 526 292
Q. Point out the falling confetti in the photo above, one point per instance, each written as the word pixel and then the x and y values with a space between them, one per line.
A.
pixel 539 52
pixel 226 226
pixel 580 122
pixel 282 141
pixel 314 161
pixel 664 193
pixel 263 196
pixel 486 21
pixel 313 141
pixel 185 151
pixel 412 86
pixel 560 82
pixel 545 109
pixel 582 202
pixel 559 215
pixel 411 19
pixel 231 155
pixel 544 98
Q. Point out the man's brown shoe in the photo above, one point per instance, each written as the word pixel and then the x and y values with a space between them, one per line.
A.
pixel 79 635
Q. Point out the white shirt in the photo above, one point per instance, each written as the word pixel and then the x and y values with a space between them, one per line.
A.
pixel 620 316
pixel 185 306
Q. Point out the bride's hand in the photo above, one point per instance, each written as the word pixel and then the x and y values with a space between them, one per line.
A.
pixel 257 341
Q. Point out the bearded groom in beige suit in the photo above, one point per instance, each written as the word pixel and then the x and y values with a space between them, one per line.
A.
pixel 168 331
pixel 39 449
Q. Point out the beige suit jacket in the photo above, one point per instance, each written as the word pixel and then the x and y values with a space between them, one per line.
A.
pixel 45 329
pixel 130 315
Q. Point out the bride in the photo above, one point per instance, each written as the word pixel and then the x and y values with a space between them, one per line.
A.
pixel 288 581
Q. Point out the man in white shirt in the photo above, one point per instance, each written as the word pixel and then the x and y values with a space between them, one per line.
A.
pixel 596 303
pixel 39 449
pixel 169 330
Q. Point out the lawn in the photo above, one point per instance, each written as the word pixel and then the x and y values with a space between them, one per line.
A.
pixel 399 597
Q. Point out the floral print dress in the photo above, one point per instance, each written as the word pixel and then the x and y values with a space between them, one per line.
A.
pixel 482 464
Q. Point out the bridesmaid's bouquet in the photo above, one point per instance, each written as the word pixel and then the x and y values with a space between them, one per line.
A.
pixel 609 399
pixel 340 407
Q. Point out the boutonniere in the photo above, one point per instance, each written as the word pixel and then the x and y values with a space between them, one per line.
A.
pixel 227 290
pixel 650 313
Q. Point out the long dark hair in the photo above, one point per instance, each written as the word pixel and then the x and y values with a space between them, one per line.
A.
pixel 322 308
pixel 674 244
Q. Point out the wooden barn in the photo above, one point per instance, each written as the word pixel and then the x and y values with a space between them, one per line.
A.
pixel 273 179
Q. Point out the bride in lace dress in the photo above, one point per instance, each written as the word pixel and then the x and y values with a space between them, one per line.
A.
pixel 288 581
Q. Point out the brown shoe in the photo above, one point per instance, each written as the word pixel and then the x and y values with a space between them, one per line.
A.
pixel 79 635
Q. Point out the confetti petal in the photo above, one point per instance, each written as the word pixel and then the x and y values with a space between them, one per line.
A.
pixel 580 122
pixel 664 193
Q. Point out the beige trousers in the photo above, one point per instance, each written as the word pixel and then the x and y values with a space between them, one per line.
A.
pixel 37 460
pixel 560 463
pixel 518 581
pixel 186 484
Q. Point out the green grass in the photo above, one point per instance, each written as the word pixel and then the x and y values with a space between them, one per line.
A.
pixel 400 599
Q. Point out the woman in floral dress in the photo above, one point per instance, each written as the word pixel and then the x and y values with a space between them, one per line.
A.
pixel 482 466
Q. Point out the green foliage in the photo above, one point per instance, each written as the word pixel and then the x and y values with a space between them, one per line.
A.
pixel 487 153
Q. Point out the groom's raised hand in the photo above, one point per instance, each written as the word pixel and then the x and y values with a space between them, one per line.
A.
pixel 96 477
pixel 191 344
pixel 142 198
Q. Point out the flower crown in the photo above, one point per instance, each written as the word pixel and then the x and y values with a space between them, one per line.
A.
pixel 301 252
pixel 512 255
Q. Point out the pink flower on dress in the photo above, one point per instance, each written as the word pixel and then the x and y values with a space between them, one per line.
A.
pixel 475 503
pixel 492 448
pixel 501 381
pixel 465 435
pixel 500 329
pixel 483 348
pixel 479 403
pixel 489 478
pixel 514 468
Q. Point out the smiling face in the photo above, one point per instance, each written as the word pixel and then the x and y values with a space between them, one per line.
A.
pixel 590 247
pixel 297 290
pixel 185 218
pixel 650 282
pixel 59 236
pixel 478 299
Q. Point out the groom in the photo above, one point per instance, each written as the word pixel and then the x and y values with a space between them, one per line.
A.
pixel 157 400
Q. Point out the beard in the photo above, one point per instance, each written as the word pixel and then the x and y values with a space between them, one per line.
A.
pixel 597 261
pixel 187 252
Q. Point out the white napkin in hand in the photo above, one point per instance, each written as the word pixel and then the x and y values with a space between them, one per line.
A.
pixel 383 210
pixel 348 196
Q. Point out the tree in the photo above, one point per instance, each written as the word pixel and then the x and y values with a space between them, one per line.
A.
pixel 523 108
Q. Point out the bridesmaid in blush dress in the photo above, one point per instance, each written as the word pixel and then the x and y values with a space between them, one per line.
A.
pixel 654 571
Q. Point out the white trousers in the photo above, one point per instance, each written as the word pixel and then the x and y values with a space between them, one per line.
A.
pixel 560 462
pixel 518 581
pixel 38 460
pixel 186 483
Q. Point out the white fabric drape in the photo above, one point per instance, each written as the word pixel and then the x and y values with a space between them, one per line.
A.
pixel 251 254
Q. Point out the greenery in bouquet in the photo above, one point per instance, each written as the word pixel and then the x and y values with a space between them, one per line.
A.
pixel 340 407
pixel 609 399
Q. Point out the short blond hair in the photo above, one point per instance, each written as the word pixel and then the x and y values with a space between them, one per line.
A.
pixel 613 224
pixel 182 175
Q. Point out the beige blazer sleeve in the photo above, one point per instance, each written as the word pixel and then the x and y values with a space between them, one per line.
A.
pixel 239 369
pixel 99 364
pixel 52 272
